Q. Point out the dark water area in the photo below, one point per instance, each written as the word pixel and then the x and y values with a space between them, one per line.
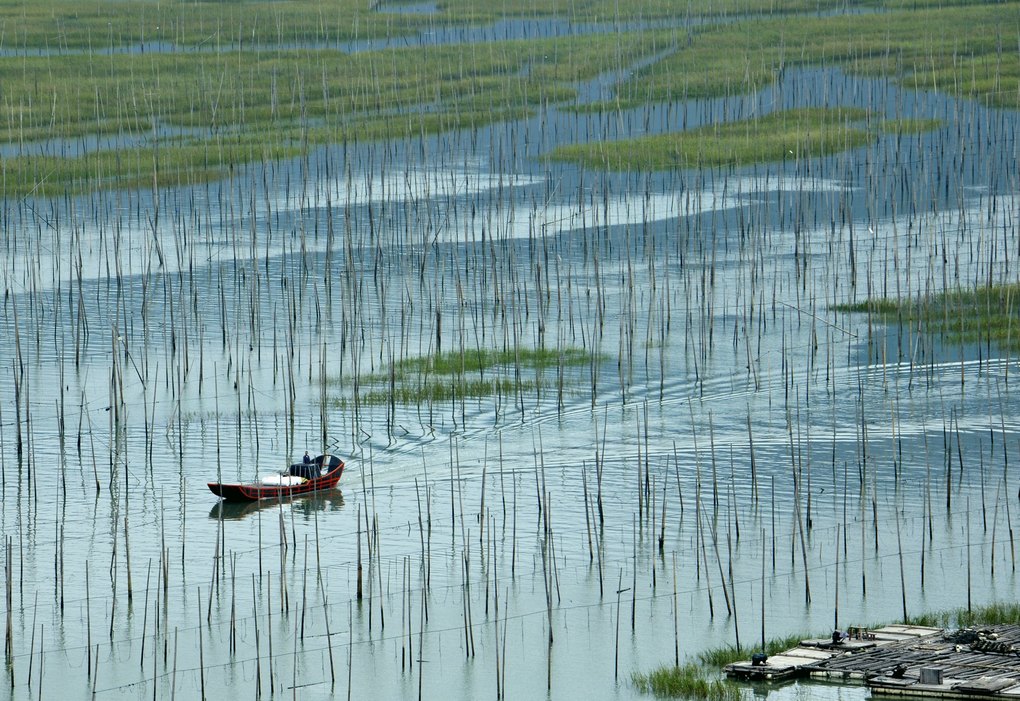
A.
pixel 783 453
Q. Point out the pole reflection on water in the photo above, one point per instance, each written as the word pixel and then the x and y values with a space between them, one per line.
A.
pixel 258 321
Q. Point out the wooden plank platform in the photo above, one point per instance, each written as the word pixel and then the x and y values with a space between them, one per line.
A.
pixel 900 660
pixel 985 688
pixel 813 652
pixel 785 665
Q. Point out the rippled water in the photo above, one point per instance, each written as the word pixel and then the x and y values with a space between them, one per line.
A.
pixel 155 353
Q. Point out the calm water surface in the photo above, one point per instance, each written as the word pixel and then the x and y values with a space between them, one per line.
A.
pixel 792 451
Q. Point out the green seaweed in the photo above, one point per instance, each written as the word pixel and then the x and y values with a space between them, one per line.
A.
pixel 779 136
pixel 467 374
pixel 721 656
pixel 996 613
pixel 949 47
pixel 689 681
pixel 986 314
pixel 479 360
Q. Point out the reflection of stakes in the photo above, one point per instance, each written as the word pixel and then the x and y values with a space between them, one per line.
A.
pixel 258 649
pixel 835 608
pixel 350 647
pixel 676 623
pixel 762 592
pixel 42 638
pixel 616 660
pixel 599 459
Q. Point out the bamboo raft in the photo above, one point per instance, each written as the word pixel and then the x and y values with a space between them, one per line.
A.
pixel 905 661
pixel 811 654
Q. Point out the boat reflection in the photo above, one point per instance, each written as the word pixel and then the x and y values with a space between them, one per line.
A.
pixel 330 500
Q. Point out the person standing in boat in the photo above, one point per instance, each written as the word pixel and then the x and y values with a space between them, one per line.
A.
pixel 307 459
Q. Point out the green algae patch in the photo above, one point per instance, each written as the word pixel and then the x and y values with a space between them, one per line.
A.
pixel 481 360
pixel 779 136
pixel 951 47
pixel 177 117
pixel 719 657
pixel 690 681
pixel 987 314
pixel 997 613
pixel 472 374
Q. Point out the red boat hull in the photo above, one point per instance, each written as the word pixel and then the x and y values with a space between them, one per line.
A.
pixel 255 491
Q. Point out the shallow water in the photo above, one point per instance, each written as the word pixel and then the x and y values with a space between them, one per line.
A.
pixel 154 354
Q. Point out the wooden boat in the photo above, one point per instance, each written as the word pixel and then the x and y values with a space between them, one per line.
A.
pixel 322 473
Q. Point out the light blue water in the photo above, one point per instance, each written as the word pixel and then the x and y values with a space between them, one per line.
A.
pixel 193 349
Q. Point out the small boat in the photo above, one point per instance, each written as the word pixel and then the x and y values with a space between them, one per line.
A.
pixel 322 473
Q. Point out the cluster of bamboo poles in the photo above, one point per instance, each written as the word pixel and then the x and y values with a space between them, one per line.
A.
pixel 707 520
pixel 247 310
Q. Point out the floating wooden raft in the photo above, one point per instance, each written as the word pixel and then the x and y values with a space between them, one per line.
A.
pixel 972 663
pixel 785 665
pixel 907 661
pixel 891 643
pixel 810 654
